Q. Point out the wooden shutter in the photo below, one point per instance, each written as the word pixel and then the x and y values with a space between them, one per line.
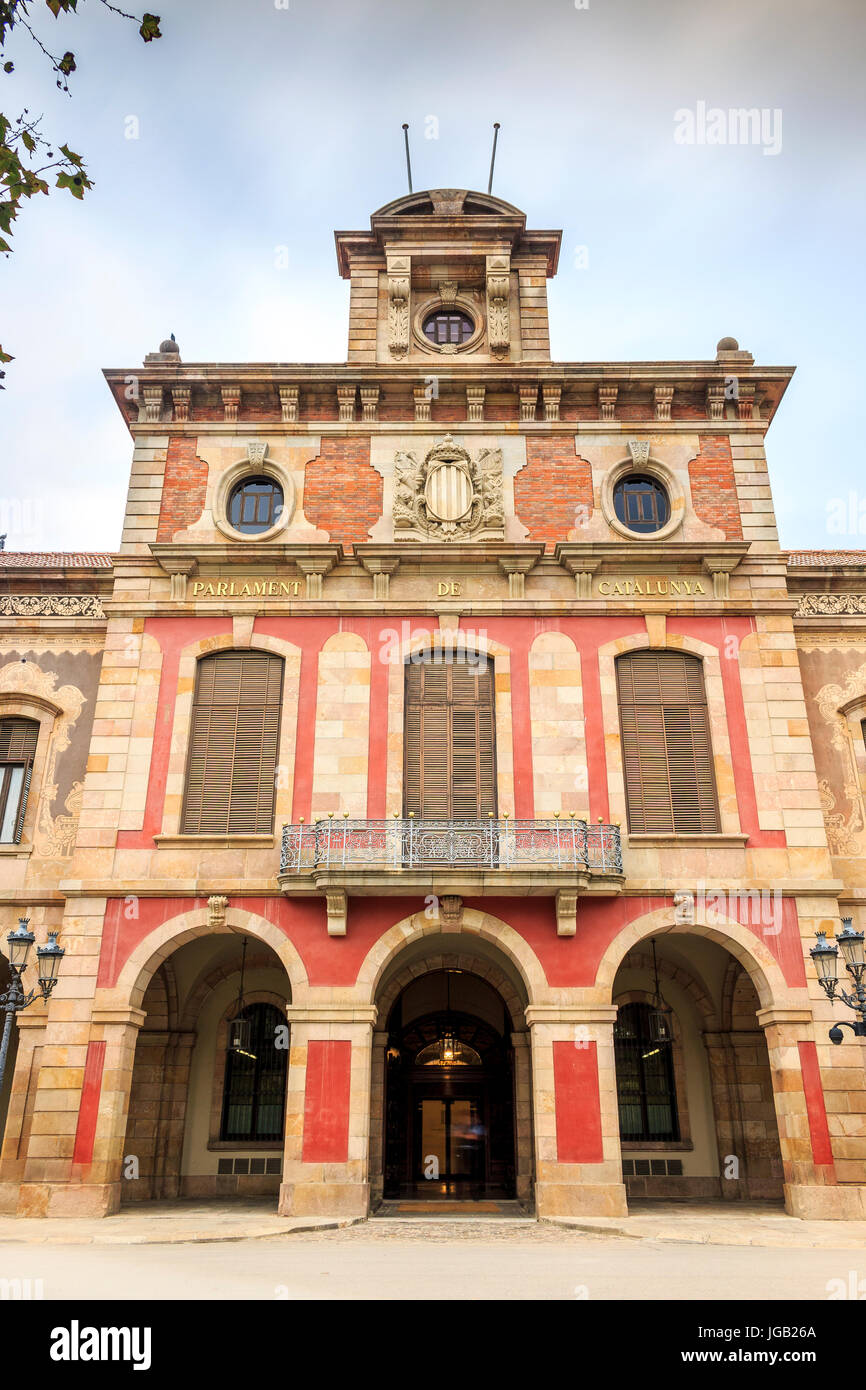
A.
pixel 234 740
pixel 667 753
pixel 449 738
pixel 18 739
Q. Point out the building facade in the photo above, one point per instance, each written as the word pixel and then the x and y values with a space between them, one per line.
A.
pixel 439 791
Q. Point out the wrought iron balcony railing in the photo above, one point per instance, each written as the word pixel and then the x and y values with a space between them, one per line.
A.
pixel 408 843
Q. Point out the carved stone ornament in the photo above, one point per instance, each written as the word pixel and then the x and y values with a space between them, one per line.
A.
pixel 217 911
pixel 256 452
pixel 498 330
pixel 640 451
pixel 398 305
pixel 449 496
pixel 831 605
pixel 51 606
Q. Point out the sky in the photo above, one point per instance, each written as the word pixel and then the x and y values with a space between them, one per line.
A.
pixel 260 126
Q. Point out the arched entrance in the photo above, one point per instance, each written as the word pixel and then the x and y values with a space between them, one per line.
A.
pixel 694 1086
pixel 451 1102
pixel 206 1108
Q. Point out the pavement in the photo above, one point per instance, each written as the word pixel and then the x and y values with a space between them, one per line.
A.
pixel 763 1224
pixel 440 1259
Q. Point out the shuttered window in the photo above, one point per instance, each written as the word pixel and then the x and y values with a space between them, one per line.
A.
pixel 234 740
pixel 667 755
pixel 450 740
pixel 18 739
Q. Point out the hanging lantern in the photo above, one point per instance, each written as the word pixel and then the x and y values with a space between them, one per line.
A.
pixel 240 1027
pixel 660 1018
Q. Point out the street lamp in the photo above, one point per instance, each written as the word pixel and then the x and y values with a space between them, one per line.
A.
pixel 826 957
pixel 14 999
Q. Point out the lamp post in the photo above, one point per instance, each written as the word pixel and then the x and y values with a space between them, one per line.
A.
pixel 826 957
pixel 14 998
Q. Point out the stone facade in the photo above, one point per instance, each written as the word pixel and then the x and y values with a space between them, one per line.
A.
pixel 116 1089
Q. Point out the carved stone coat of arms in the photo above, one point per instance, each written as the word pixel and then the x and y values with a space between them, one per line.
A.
pixel 449 496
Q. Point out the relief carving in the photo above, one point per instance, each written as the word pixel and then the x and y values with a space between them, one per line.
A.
pixel 831 605
pixel 398 305
pixel 51 606
pixel 843 832
pixel 498 329
pixel 448 496
pixel 54 835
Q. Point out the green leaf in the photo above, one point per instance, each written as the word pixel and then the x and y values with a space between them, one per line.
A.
pixel 4 245
pixel 73 182
pixel 7 212
pixel 28 142
pixel 70 155
pixel 5 357
pixel 66 64
pixel 150 27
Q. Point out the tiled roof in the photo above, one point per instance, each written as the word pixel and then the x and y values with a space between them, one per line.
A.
pixel 827 557
pixel 55 559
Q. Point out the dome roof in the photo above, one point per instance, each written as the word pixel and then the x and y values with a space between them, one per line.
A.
pixel 448 202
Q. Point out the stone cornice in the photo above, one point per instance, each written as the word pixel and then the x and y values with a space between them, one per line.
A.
pixel 638 556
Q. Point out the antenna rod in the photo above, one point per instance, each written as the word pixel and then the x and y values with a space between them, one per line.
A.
pixel 493 155
pixel 408 161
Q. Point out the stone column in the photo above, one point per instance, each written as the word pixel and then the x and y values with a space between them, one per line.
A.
pixel 326 1161
pixel 75 1152
pixel 377 1118
pixel 812 1190
pixel 578 1162
pixel 523 1115
pixel 30 1026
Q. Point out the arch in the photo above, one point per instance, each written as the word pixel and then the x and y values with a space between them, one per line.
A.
pixel 482 924
pixel 182 721
pixel 720 739
pixel 467 960
pixel 756 958
pixel 689 981
pixel 164 940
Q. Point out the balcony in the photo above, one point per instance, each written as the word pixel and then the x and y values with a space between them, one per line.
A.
pixel 516 858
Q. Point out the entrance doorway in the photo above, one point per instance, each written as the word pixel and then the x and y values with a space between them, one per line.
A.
pixel 449 1082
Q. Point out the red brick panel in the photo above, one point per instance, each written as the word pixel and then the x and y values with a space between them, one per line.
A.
pixel 714 488
pixel 578 1105
pixel 183 490
pixel 88 1109
pixel 326 1102
pixel 549 490
pixel 819 1130
pixel 343 491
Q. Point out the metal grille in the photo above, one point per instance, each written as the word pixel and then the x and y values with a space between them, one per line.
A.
pixel 405 843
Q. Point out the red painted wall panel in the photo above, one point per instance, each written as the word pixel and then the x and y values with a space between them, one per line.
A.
pixel 88 1110
pixel 578 1106
pixel 819 1130
pixel 326 1102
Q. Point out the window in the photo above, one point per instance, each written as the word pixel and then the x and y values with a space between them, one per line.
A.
pixel 641 504
pixel 18 739
pixel 234 738
pixel 254 1094
pixel 450 754
pixel 644 1079
pixel 446 327
pixel 255 505
pixel 667 757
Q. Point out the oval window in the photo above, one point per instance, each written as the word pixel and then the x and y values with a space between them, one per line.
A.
pixel 641 504
pixel 448 327
pixel 255 505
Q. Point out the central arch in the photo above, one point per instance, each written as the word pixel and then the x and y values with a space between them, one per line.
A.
pixel 451 1088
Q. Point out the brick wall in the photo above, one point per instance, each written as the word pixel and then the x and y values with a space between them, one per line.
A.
pixel 714 487
pixel 184 488
pixel 549 490
pixel 342 490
